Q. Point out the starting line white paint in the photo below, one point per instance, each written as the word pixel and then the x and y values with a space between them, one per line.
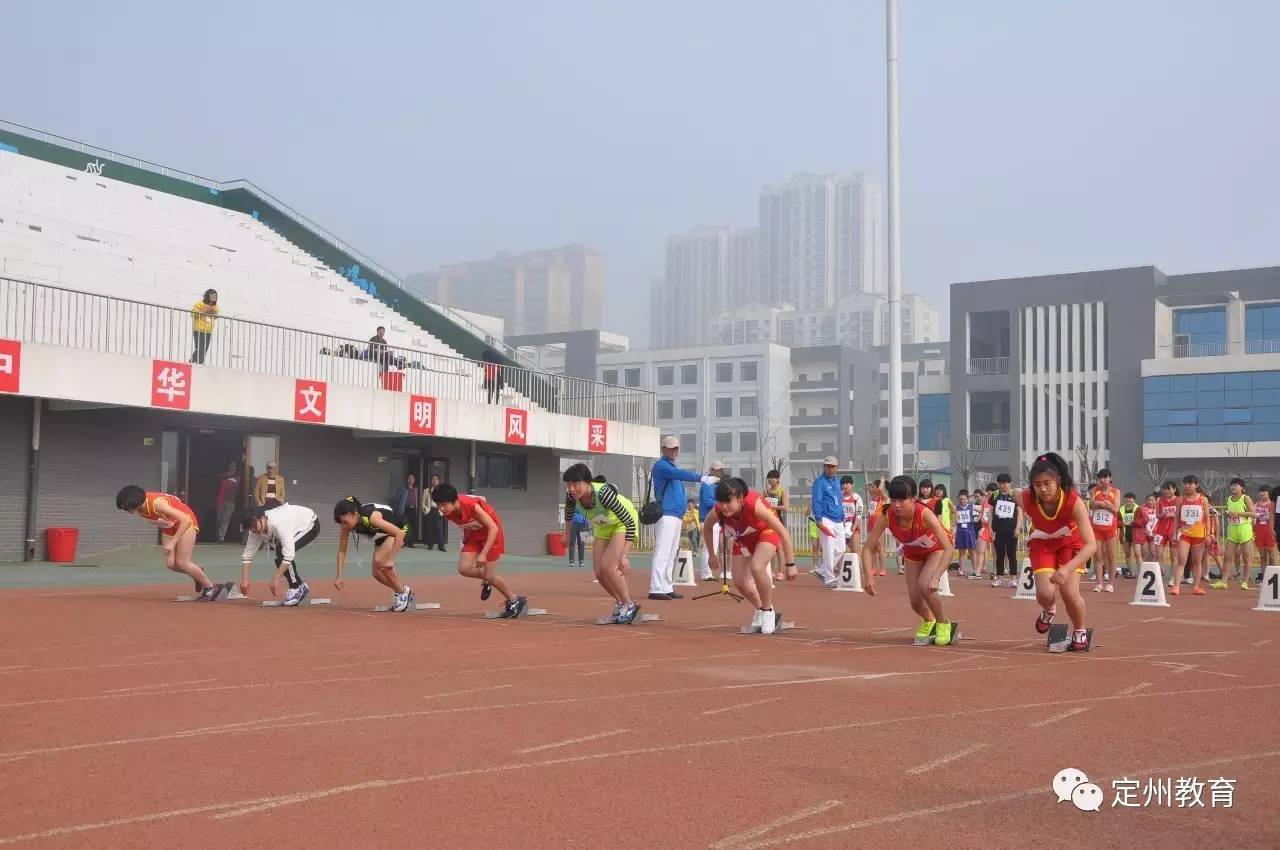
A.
pixel 712 711
pixel 947 759
pixel 356 664
pixel 467 691
pixel 1133 689
pixel 730 841
pixel 305 603
pixel 615 670
pixel 159 685
pixel 1063 716
pixel 571 741
pixel 417 606
pixel 528 612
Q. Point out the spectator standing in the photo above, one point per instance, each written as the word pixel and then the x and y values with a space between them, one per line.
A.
pixel 668 489
pixel 828 513
pixel 691 525
pixel 228 485
pixel 707 504
pixel 203 315
pixel 578 538
pixel 268 490
pixel 378 348
pixel 492 374
pixel 407 507
pixel 437 531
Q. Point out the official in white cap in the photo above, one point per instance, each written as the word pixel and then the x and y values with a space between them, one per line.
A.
pixel 668 490
pixel 828 513
pixel 707 504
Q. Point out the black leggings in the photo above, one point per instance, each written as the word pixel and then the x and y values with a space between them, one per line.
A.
pixel 291 573
pixel 1006 551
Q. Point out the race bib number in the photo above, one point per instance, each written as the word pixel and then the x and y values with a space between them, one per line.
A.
pixel 1151 524
pixel 596 519
pixel 1005 510
pixel 1101 516
pixel 771 501
pixel 1237 519
pixel 1192 514
pixel 924 541
pixel 1157 539
pixel 850 510
pixel 964 517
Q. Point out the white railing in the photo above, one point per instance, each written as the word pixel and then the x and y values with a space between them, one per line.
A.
pixel 996 442
pixel 39 313
pixel 988 366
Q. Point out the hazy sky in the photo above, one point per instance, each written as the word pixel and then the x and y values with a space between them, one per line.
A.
pixel 1038 137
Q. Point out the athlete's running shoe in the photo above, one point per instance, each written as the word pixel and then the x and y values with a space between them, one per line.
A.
pixel 1244 585
pixel 1219 585
pixel 769 621
pixel 924 632
pixel 757 618
pixel 1199 591
pixel 486 590
pixel 297 594
pixel 1097 588
pixel 1174 590
pixel 995 582
pixel 1043 621
pixel 1109 588
pixel 613 617
pixel 1079 640
pixel 628 614
pixel 516 606
pixel 210 593
pixel 403 599
pixel 942 635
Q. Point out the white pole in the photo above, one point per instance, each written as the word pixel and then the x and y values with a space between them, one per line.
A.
pixel 895 257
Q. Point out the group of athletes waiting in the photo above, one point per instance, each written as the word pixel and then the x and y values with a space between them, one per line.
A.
pixel 1066 528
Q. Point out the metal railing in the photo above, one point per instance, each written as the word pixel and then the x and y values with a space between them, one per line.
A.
pixel 988 366
pixel 994 442
pixel 1219 349
pixel 35 312
pixel 286 210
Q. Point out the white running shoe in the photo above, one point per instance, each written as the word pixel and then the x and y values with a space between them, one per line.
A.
pixel 1110 588
pixel 296 594
pixel 1097 588
pixel 995 582
pixel 403 599
pixel 768 621
pixel 757 618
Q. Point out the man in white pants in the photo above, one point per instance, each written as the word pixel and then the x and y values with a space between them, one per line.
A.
pixel 707 504
pixel 668 489
pixel 828 513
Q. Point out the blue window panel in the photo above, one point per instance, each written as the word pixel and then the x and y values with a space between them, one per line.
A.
pixel 1261 398
pixel 1184 434
pixel 1239 432
pixel 1156 401
pixel 1210 416
pixel 1211 381
pixel 1155 385
pixel 1155 418
pixel 1237 398
pixel 1182 401
pixel 1182 417
pixel 1239 381
pixel 1155 435
pixel 1182 383
pixel 1266 415
pixel 1266 380
pixel 1209 434
pixel 1209 399
pixel 1264 432
pixel 1237 415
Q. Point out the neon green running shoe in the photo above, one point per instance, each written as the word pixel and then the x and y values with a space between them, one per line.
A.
pixel 924 632
pixel 942 635
pixel 1244 585
pixel 1219 585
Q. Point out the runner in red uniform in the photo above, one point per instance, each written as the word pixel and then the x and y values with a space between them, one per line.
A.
pixel 1264 530
pixel 982 513
pixel 1060 543
pixel 926 552
pixel 482 543
pixel 1104 505
pixel 1165 537
pixel 878 498
pixel 178 530
pixel 1144 523
pixel 745 516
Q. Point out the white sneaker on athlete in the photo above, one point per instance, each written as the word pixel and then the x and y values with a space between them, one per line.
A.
pixel 1097 588
pixel 757 618
pixel 768 622
pixel 403 599
pixel 1110 588
pixel 297 594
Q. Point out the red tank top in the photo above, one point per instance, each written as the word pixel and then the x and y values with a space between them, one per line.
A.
pixel 465 515
pixel 916 539
pixel 1167 510
pixel 148 511
pixel 1051 530
pixel 746 522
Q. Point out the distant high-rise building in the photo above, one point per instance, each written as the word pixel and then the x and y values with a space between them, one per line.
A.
pixel 544 291
pixel 708 270
pixel 920 321
pixel 820 238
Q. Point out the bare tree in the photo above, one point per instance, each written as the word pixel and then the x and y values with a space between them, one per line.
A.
pixel 641 479
pixel 1238 458
pixel 1153 474
pixel 867 457
pixel 1087 463
pixel 964 459
pixel 767 438
pixel 1212 481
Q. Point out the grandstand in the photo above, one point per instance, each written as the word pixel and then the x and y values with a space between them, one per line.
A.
pixel 102 257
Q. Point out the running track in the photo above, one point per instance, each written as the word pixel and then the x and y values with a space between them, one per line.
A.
pixel 129 720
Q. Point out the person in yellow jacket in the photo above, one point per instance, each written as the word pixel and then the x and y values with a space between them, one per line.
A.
pixel 202 316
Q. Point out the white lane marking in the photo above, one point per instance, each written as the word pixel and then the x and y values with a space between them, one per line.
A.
pixel 157 685
pixel 357 664
pixel 738 838
pixel 615 670
pixel 160 693
pixel 1134 689
pixel 1063 716
pixel 467 691
pixel 947 759
pixel 571 741
pixel 712 711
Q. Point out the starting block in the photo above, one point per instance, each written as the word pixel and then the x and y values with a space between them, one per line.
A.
pixel 227 592
pixel 305 603
pixel 1060 638
pixel 528 612
pixel 416 606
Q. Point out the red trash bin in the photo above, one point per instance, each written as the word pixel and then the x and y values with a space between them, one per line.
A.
pixel 555 544
pixel 62 544
pixel 393 381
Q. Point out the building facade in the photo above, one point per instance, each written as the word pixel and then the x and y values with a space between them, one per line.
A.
pixel 833 410
pixel 708 271
pixel 926 388
pixel 920 320
pixel 545 291
pixel 1128 368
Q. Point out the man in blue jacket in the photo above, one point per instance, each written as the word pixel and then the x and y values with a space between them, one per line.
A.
pixel 668 488
pixel 706 504
pixel 828 513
